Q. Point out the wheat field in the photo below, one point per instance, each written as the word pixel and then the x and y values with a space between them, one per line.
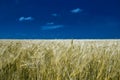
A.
pixel 59 59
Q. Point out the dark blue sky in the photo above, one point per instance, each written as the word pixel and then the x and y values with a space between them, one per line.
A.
pixel 61 19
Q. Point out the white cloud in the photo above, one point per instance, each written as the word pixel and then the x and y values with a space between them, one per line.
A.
pixel 51 27
pixel 25 18
pixel 54 14
pixel 50 23
pixel 77 10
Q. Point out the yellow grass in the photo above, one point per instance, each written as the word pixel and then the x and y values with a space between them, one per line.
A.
pixel 59 59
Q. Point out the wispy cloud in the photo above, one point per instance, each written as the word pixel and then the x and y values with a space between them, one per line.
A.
pixel 25 18
pixel 50 27
pixel 77 10
pixel 54 14
pixel 50 23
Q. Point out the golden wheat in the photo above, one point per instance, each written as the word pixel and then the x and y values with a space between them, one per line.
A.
pixel 59 59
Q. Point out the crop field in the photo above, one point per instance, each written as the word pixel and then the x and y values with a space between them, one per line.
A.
pixel 59 59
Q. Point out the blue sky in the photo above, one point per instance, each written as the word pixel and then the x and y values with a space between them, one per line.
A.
pixel 59 19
